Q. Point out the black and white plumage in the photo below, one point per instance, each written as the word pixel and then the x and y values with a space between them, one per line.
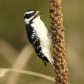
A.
pixel 38 35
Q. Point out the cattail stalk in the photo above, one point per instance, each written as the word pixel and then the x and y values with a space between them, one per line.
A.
pixel 58 40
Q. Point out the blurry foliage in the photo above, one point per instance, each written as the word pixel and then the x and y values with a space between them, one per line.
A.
pixel 12 30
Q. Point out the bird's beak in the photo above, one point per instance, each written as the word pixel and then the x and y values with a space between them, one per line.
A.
pixel 39 12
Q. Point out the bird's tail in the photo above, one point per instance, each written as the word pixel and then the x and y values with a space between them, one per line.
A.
pixel 51 62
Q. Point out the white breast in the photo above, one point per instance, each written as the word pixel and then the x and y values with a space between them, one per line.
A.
pixel 41 32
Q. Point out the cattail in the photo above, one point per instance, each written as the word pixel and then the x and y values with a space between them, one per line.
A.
pixel 58 40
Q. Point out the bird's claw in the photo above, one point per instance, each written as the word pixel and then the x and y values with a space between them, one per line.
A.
pixel 51 30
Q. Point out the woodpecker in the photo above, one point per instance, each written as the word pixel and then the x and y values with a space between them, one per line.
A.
pixel 37 34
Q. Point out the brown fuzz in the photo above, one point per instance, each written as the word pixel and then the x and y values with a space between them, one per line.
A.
pixel 58 40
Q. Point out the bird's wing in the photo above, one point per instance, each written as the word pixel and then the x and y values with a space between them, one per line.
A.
pixel 35 41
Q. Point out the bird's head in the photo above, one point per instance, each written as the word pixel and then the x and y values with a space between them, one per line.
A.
pixel 31 15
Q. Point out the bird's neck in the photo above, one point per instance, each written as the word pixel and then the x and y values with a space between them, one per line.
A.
pixel 36 20
pixel 33 20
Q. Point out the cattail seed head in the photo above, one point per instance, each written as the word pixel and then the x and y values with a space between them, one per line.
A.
pixel 58 40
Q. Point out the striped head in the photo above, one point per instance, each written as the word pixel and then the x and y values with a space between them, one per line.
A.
pixel 30 15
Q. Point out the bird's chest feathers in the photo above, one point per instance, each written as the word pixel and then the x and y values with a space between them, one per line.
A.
pixel 40 29
pixel 41 32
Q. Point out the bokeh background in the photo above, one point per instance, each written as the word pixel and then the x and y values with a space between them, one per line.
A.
pixel 16 51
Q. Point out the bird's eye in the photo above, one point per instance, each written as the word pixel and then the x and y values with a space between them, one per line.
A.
pixel 32 14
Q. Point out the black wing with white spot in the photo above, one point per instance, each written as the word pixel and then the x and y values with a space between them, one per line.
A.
pixel 34 40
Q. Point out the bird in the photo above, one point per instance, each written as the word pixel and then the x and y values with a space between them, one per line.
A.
pixel 37 34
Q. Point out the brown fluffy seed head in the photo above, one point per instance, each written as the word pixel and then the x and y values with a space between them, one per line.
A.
pixel 58 40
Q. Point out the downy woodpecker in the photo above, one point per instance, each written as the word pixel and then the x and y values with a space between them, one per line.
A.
pixel 37 34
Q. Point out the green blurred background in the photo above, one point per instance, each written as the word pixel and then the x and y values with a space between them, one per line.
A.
pixel 15 47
